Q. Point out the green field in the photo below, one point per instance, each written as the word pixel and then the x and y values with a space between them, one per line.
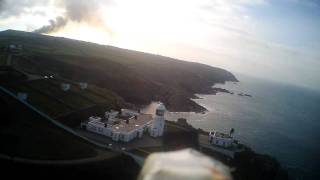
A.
pixel 3 59
pixel 46 104
pixel 136 77
pixel 46 95
pixel 24 133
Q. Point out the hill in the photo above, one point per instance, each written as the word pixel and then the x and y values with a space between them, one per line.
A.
pixel 69 107
pixel 35 147
pixel 28 135
pixel 135 76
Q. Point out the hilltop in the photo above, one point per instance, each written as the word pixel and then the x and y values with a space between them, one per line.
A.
pixel 137 77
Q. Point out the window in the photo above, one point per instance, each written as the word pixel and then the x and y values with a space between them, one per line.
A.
pixel 159 112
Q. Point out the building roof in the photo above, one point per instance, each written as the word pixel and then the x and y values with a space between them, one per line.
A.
pixel 220 134
pixel 161 107
pixel 133 123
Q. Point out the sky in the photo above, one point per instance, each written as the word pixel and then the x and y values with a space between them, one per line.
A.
pixel 271 39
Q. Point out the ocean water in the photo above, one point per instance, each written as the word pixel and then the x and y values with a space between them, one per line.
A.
pixel 279 120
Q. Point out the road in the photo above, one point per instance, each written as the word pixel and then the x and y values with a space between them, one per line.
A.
pixel 101 156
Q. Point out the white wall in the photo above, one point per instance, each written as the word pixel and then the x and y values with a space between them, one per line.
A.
pixel 225 142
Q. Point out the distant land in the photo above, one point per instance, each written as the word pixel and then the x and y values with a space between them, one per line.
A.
pixel 137 77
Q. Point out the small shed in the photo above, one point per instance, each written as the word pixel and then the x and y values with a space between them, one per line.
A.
pixel 83 85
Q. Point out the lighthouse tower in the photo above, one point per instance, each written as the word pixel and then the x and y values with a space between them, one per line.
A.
pixel 157 126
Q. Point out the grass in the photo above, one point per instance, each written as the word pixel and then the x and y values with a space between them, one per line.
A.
pixel 27 134
pixel 76 101
pixel 106 94
pixel 3 59
pixel 46 95
pixel 44 103
pixel 92 93
pixel 135 76
pixel 68 97
pixel 116 167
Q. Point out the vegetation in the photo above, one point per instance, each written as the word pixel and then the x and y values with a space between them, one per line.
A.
pixel 249 165
pixel 46 95
pixel 117 167
pixel 26 134
pixel 176 137
pixel 135 76
pixel 113 74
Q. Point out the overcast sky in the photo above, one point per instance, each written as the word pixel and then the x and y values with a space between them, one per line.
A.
pixel 272 39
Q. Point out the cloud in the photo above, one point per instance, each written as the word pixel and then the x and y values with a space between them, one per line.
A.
pixel 307 3
pixel 79 11
pixel 224 33
pixel 9 8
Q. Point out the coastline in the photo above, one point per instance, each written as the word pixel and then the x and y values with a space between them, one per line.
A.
pixel 183 106
pixel 213 91
pixel 246 164
pixel 254 119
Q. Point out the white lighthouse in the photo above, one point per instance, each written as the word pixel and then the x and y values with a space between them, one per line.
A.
pixel 157 127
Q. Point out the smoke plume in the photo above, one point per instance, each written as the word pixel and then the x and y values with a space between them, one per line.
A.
pixel 80 11
pixel 54 26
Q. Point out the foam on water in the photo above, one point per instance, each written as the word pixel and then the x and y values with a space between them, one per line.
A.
pixel 280 120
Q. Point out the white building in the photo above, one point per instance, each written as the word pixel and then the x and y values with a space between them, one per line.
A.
pixel 15 48
pixel 158 121
pixel 111 114
pixel 129 112
pixel 220 139
pixel 83 85
pixel 128 125
pixel 65 86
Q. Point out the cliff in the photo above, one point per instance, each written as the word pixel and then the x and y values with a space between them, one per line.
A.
pixel 137 77
pixel 247 164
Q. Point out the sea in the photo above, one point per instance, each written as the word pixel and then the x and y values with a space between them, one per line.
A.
pixel 279 120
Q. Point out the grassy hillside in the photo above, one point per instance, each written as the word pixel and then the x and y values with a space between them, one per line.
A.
pixel 137 77
pixel 113 168
pixel 26 134
pixel 69 107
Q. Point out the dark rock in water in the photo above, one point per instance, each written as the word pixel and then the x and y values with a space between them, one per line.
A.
pixel 222 90
pixel 243 94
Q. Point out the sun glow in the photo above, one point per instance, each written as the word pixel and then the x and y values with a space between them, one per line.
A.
pixel 152 26
pixel 220 33
pixel 85 33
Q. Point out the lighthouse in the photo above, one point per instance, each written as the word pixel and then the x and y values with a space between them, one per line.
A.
pixel 157 127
